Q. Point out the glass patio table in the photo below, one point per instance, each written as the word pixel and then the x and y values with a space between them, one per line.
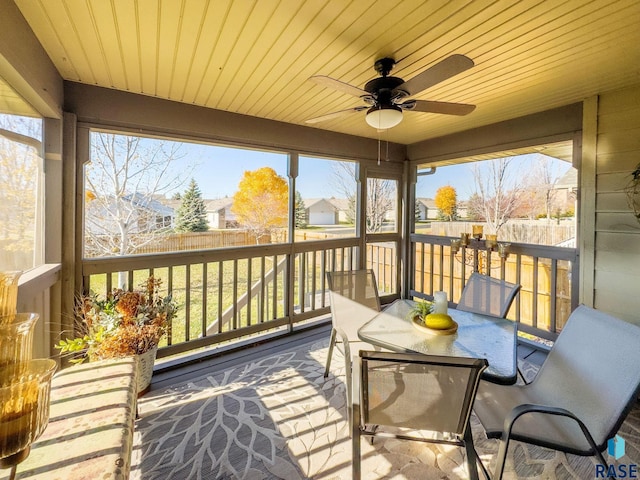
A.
pixel 478 336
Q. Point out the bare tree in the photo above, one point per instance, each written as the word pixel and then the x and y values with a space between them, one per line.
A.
pixel 380 195
pixel 547 178
pixel 539 193
pixel 498 190
pixel 343 179
pixel 123 182
pixel 20 179
pixel 529 205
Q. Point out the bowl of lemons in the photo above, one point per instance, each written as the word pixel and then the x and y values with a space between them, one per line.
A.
pixel 424 320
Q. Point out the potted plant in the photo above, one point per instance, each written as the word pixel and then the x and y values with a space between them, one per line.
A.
pixel 421 309
pixel 125 323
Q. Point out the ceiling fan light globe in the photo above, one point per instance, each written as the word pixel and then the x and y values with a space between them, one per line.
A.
pixel 384 118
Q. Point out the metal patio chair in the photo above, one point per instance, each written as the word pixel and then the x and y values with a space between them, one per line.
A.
pixel 354 301
pixel 580 397
pixel 417 397
pixel 487 295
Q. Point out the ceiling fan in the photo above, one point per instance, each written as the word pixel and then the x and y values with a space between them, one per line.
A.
pixel 387 97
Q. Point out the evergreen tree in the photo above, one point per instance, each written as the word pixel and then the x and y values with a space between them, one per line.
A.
pixel 300 214
pixel 192 214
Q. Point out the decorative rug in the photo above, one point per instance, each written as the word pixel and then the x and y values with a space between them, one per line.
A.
pixel 279 418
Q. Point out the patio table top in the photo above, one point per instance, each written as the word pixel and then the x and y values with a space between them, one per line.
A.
pixel 478 336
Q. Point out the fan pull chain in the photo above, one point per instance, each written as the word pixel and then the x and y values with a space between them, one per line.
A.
pixel 386 158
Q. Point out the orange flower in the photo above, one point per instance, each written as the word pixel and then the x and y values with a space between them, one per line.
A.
pixel 128 304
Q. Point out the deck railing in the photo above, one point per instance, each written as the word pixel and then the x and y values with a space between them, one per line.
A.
pixel 226 294
pixel 547 275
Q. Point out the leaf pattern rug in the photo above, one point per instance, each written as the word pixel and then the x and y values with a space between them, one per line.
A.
pixel 279 418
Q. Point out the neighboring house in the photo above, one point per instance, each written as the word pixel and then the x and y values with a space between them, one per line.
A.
pixel 565 190
pixel 426 209
pixel 342 205
pixel 219 214
pixel 146 215
pixel 152 213
pixel 320 211
pixel 463 209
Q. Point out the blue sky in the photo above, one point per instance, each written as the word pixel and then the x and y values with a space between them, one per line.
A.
pixel 458 176
pixel 218 171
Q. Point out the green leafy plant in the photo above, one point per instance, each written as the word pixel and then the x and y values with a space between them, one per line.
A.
pixel 122 324
pixel 421 309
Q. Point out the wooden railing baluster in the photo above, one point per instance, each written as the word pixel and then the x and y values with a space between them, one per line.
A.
pixel 220 294
pixel 249 285
pixel 205 289
pixel 553 295
pixel 187 303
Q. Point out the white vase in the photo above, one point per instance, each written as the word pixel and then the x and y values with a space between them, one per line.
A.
pixel 146 361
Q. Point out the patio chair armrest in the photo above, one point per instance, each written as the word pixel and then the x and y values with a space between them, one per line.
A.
pixel 342 335
pixel 525 408
pixel 345 342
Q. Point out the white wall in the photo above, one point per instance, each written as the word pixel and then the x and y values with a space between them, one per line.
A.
pixel 616 281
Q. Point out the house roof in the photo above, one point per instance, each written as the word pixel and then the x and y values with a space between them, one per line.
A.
pixel 310 202
pixel 256 58
pixel 431 203
pixel 568 180
pixel 148 203
pixel 218 204
pixel 341 204
pixel 427 202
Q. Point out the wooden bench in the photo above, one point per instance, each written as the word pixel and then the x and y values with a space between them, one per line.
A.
pixel 91 424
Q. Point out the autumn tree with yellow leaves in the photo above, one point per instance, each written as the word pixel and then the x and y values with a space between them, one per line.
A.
pixel 447 202
pixel 261 202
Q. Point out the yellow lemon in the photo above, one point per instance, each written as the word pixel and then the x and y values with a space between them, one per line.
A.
pixel 438 321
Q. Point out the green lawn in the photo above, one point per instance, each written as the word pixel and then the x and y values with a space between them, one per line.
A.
pixel 233 275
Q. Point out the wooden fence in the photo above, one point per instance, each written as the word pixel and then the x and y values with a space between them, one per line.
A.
pixel 179 242
pixel 532 232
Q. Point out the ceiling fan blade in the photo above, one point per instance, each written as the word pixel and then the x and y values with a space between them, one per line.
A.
pixel 441 107
pixel 330 116
pixel 338 85
pixel 447 68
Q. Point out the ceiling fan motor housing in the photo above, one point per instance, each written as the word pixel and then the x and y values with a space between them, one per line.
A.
pixel 382 88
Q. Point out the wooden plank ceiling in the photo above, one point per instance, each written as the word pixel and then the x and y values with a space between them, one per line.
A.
pixel 256 57
pixel 11 102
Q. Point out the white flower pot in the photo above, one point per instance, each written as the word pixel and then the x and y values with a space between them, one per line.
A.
pixel 146 361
